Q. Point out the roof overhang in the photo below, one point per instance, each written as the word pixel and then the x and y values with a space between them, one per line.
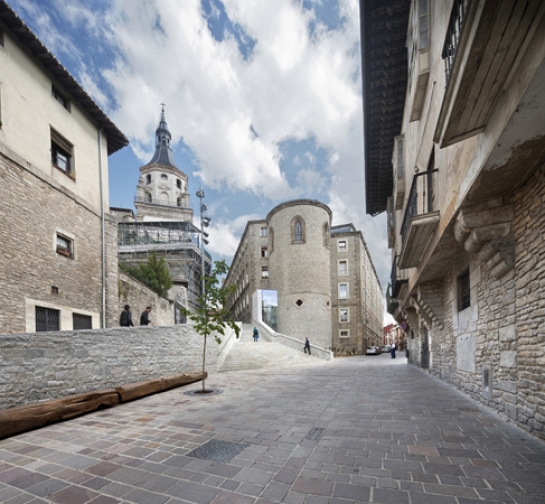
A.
pixel 384 67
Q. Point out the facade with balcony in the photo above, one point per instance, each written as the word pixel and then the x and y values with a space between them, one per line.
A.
pixel 455 156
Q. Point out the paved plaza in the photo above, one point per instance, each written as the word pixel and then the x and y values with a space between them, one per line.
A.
pixel 362 429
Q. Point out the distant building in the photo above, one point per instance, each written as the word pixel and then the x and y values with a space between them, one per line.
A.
pixel 59 257
pixel 455 155
pixel 163 223
pixel 304 278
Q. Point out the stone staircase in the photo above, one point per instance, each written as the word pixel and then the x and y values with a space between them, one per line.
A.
pixel 246 354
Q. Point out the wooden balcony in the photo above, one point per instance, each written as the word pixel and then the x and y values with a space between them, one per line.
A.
pixel 420 220
pixel 484 44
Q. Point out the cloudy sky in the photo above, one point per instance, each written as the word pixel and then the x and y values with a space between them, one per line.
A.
pixel 263 100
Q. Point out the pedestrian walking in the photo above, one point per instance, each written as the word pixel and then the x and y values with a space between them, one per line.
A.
pixel 393 350
pixel 125 320
pixel 256 334
pixel 307 346
pixel 144 318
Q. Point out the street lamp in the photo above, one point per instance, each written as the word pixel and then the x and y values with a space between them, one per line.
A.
pixel 205 222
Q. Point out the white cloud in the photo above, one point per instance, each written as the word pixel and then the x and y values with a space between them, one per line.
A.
pixel 225 236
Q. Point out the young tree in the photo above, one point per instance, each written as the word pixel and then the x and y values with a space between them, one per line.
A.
pixel 212 316
pixel 155 274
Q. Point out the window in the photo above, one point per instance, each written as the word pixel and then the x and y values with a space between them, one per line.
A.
pixel 398 157
pixel 148 179
pixel 464 291
pixel 343 290
pixel 264 272
pixel 164 177
pixel 423 39
pixel 65 246
pixel 298 231
pixel 343 314
pixel 264 231
pixel 326 235
pixel 272 241
pixel 178 183
pixel 264 252
pixel 179 201
pixel 61 153
pixel 148 197
pixel 81 321
pixel 60 97
pixel 343 267
pixel 341 246
pixel 344 333
pixel 47 319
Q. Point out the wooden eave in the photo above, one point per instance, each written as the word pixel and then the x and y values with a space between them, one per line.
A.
pixel 384 67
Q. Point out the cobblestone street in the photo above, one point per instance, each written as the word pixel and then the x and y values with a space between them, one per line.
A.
pixel 362 429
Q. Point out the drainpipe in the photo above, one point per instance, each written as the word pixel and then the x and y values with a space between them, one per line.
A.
pixel 103 229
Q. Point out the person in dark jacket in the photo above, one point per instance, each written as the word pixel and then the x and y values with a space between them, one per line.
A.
pixel 144 318
pixel 307 346
pixel 125 320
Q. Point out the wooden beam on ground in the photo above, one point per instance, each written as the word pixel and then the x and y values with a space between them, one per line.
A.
pixel 33 416
pixel 133 391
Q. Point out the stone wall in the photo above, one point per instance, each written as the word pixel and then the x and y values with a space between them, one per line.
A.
pixel 494 350
pixel 49 365
pixel 529 228
pixel 139 296
pixel 35 209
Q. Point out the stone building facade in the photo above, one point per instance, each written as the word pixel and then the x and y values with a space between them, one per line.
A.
pixel 464 190
pixel 321 278
pixel 59 266
pixel 357 309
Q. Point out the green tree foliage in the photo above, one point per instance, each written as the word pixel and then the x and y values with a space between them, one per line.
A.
pixel 211 316
pixel 154 273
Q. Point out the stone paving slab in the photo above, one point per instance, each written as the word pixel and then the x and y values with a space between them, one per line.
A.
pixel 354 430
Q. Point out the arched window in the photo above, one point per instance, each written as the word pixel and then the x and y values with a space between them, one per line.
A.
pixel 178 183
pixel 164 177
pixel 298 230
pixel 148 179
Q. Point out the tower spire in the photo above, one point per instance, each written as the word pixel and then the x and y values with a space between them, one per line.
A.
pixel 163 152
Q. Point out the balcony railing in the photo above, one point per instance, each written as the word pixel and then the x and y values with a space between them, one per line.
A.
pixel 421 198
pixel 457 16
pixel 395 281
pixel 161 202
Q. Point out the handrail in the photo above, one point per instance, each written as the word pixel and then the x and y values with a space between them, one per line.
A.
pixel 412 204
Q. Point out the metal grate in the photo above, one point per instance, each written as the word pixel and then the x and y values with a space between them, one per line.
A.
pixel 218 451
pixel 82 321
pixel 47 319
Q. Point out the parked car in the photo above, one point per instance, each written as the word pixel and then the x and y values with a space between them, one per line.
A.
pixel 385 348
pixel 373 350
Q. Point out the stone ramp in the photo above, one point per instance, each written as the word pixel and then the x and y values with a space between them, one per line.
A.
pixel 246 354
